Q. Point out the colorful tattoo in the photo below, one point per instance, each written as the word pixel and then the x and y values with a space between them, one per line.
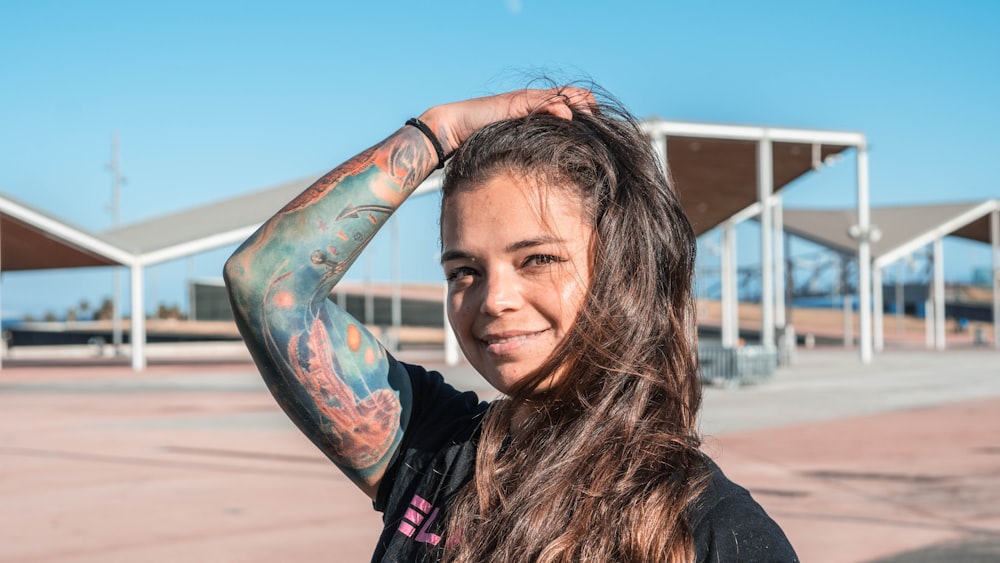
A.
pixel 324 368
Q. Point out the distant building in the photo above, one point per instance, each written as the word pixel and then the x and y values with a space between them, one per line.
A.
pixel 421 305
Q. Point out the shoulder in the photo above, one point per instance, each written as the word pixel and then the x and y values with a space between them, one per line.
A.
pixel 435 404
pixel 439 437
pixel 435 460
pixel 729 525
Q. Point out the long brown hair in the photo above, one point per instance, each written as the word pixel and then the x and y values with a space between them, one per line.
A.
pixel 607 464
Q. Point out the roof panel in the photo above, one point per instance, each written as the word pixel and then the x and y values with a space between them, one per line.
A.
pixel 716 178
pixel 33 240
pixel 207 220
pixel 26 247
pixel 899 225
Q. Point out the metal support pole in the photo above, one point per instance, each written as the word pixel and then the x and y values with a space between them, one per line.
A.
pixel 929 323
pixel 397 305
pixel 660 149
pixel 846 309
pixel 116 272
pixel 939 294
pixel 138 333
pixel 765 188
pixel 790 339
pixel 3 335
pixel 995 243
pixel 900 303
pixel 779 262
pixel 877 306
pixel 864 258
pixel 728 274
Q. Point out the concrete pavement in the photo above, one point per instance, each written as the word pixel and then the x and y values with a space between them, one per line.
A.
pixel 898 461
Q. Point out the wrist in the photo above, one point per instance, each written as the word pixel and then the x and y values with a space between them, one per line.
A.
pixel 431 138
pixel 437 123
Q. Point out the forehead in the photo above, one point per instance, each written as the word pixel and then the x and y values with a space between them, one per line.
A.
pixel 511 204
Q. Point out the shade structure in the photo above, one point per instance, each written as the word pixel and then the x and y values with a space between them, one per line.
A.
pixel 902 230
pixel 33 240
pixel 717 178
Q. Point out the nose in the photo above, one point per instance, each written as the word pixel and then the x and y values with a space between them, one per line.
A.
pixel 501 293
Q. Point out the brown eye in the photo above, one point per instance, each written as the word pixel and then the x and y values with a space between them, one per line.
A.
pixel 542 260
pixel 459 273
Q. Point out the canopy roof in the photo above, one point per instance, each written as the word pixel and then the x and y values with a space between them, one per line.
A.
pixel 903 228
pixel 714 166
pixel 716 178
pixel 32 240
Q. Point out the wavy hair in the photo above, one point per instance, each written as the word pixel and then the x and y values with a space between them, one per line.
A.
pixel 607 463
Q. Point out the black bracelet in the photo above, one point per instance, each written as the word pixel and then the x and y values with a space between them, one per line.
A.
pixel 430 135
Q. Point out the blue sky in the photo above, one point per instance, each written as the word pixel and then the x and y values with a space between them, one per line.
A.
pixel 215 99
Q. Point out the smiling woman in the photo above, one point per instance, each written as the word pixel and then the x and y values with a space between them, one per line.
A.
pixel 569 264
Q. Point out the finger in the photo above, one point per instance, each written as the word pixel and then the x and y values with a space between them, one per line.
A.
pixel 562 102
pixel 580 99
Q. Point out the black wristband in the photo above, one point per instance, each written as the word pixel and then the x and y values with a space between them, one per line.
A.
pixel 430 135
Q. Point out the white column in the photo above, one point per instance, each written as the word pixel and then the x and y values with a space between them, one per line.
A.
pixel 864 259
pixel 846 310
pixel 734 292
pixel 3 342
pixel 877 306
pixel 116 309
pixel 929 323
pixel 779 262
pixel 138 332
pixel 939 294
pixel 900 301
pixel 765 187
pixel 659 143
pixel 727 273
pixel 995 243
pixel 397 300
pixel 452 353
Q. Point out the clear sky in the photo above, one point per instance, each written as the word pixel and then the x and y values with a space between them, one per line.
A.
pixel 216 99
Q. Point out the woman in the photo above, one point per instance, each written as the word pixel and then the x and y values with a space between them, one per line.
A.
pixel 569 264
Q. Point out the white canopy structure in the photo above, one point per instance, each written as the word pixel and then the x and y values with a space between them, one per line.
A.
pixel 901 231
pixel 728 173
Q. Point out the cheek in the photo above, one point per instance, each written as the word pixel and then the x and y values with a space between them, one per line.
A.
pixel 457 309
pixel 572 294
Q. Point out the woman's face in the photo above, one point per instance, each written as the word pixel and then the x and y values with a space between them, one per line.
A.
pixel 516 256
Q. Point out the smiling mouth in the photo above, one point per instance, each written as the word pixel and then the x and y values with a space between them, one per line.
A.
pixel 507 344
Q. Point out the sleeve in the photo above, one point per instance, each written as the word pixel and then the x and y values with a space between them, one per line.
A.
pixel 731 527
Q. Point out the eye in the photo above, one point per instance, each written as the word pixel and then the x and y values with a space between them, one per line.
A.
pixel 456 274
pixel 542 260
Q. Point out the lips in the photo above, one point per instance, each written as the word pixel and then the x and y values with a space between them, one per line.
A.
pixel 505 343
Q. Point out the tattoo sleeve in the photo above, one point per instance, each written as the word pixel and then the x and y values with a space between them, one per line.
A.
pixel 323 367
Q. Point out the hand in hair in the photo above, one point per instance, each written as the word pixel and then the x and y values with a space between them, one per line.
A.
pixel 454 122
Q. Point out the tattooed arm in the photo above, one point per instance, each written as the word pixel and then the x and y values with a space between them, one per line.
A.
pixel 323 367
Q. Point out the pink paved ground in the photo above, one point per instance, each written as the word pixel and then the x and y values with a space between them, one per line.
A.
pixel 860 488
pixel 197 464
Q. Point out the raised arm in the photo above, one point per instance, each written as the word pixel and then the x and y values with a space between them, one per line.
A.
pixel 323 367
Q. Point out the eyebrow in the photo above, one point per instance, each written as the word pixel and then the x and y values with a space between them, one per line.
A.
pixel 512 247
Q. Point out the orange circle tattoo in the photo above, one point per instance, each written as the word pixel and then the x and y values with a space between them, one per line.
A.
pixel 353 338
pixel 284 299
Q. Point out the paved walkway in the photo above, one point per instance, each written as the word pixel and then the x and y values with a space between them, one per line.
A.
pixel 898 461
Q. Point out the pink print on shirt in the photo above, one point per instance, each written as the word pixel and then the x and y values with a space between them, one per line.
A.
pixel 420 512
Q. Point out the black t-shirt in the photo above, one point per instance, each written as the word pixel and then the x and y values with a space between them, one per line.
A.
pixel 437 457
